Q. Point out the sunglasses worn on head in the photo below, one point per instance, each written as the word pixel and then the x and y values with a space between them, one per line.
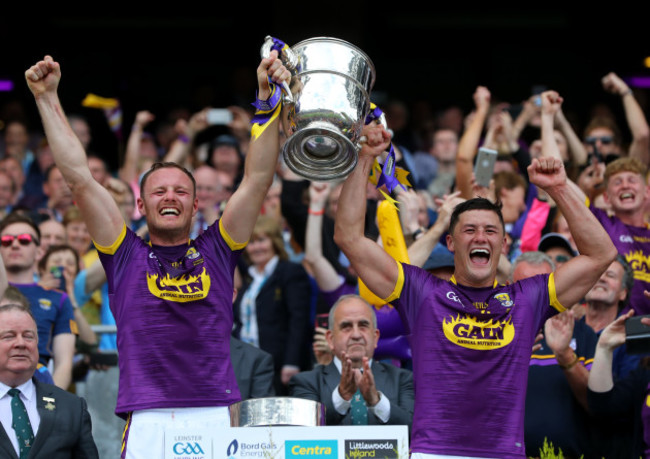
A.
pixel 23 239
pixel 605 140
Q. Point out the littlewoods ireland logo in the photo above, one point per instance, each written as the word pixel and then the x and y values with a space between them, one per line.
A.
pixel 322 449
pixel 358 449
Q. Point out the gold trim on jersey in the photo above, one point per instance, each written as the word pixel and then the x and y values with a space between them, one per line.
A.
pixel 226 237
pixel 111 249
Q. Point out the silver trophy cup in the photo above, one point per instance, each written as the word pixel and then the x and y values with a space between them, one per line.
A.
pixel 325 112
pixel 277 411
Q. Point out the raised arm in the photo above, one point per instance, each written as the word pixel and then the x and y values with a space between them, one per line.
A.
pixel 326 276
pixel 63 347
pixel 551 106
pixel 636 121
pixel 129 169
pixel 181 149
pixel 420 250
pixel 244 206
pixel 578 275
pixel 613 336
pixel 577 150
pixel 468 144
pixel 377 269
pixel 101 214
pixel 558 331
pixel 530 109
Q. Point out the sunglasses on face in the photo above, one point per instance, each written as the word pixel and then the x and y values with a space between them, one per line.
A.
pixel 561 258
pixel 23 239
pixel 605 140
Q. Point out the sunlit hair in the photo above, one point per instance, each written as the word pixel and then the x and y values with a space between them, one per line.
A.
pixel 165 165
pixel 604 122
pixel 42 263
pixel 508 180
pixel 344 298
pixel 625 164
pixel 268 226
pixel 72 215
pixel 13 295
pixel 532 257
pixel 475 204
pixel 17 307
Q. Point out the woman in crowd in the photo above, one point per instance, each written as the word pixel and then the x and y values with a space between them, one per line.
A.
pixel 273 307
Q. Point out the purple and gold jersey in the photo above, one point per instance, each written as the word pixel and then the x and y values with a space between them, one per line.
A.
pixel 471 351
pixel 173 310
pixel 633 242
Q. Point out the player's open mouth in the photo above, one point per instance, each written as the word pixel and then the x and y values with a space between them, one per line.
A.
pixel 627 196
pixel 480 256
pixel 169 211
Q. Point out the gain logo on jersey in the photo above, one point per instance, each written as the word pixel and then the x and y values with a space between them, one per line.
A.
pixel 639 264
pixel 180 289
pixel 477 334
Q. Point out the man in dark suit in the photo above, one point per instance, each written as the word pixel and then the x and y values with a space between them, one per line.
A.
pixel 58 422
pixel 253 370
pixel 353 380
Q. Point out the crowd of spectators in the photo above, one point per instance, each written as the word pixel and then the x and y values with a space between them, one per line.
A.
pixel 293 272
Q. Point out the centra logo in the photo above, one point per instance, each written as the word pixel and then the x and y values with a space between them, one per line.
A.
pixel 311 448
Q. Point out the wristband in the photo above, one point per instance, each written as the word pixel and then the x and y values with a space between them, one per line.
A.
pixel 572 364
pixel 183 138
pixel 267 111
pixel 316 212
pixel 417 233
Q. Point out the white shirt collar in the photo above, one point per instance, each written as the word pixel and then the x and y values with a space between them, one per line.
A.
pixel 27 389
pixel 339 365
pixel 268 268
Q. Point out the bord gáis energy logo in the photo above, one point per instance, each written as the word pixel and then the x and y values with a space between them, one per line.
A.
pixel 261 449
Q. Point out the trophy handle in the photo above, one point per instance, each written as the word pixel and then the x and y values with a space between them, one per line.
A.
pixel 288 58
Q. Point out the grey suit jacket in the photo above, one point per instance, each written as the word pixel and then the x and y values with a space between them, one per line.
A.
pixel 64 431
pixel 253 370
pixel 395 383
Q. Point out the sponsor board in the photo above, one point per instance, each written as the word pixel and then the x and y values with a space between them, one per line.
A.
pixel 288 442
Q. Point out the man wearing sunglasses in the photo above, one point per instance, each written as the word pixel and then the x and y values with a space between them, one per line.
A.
pixel 557 247
pixel 602 136
pixel 52 309
pixel 627 194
